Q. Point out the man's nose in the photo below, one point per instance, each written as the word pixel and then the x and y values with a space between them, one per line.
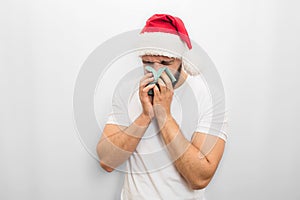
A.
pixel 157 66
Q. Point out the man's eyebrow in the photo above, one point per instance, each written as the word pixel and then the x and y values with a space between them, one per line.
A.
pixel 167 62
pixel 162 61
pixel 146 61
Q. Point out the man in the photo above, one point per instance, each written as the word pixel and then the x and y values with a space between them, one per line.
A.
pixel 162 139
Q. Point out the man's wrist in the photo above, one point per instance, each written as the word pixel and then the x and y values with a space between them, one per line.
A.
pixel 138 127
pixel 169 117
pixel 143 120
pixel 164 119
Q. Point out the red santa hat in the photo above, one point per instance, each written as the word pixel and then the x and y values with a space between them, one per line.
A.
pixel 165 35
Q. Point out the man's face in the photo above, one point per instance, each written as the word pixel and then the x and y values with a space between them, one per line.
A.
pixel 157 62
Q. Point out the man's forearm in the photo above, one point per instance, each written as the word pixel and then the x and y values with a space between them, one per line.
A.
pixel 115 147
pixel 189 161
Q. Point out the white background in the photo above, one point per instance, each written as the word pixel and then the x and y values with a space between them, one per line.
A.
pixel 254 44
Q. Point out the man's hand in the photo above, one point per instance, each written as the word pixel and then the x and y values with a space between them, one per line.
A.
pixel 163 98
pixel 145 99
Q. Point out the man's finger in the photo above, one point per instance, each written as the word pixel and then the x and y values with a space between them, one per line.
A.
pixel 167 80
pixel 149 87
pixel 162 85
pixel 146 81
pixel 156 91
pixel 148 75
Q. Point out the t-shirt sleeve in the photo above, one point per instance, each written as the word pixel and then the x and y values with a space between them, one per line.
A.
pixel 213 117
pixel 119 113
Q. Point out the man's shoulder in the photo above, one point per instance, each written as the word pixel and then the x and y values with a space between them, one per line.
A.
pixel 198 84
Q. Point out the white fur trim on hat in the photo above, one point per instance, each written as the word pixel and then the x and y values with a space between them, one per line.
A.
pixel 159 43
pixel 164 44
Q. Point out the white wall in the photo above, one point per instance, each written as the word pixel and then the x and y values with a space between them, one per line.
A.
pixel 43 44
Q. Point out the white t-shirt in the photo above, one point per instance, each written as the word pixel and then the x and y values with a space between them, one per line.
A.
pixel 151 173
